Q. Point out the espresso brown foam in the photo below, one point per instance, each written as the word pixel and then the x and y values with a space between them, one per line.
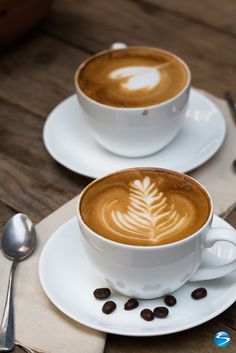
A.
pixel 148 207
pixel 95 82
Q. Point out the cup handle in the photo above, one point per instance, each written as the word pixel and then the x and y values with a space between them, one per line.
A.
pixel 214 270
pixel 118 45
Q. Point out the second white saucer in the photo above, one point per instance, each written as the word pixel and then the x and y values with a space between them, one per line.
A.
pixel 69 141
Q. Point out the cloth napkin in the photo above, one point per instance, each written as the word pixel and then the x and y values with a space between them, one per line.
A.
pixel 217 174
pixel 38 322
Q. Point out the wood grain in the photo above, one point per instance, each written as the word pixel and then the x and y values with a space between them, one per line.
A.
pixel 198 339
pixel 38 73
pixel 209 13
pixel 32 182
pixel 146 24
pixel 232 218
pixel 6 212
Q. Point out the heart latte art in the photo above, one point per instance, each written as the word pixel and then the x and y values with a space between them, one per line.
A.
pixel 132 77
pixel 147 210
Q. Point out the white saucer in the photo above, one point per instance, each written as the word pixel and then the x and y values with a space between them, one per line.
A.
pixel 69 280
pixel 68 140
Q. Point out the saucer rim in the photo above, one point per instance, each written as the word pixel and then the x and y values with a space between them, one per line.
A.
pixel 82 171
pixel 131 333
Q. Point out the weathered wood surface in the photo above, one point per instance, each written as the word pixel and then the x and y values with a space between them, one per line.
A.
pixel 209 51
pixel 198 339
pixel 209 13
pixel 37 73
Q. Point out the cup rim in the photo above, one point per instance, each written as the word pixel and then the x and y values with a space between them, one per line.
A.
pixel 144 247
pixel 105 106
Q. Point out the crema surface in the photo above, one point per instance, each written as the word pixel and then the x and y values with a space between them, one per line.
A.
pixel 133 77
pixel 145 208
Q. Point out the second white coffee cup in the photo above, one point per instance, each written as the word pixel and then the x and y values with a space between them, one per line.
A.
pixel 134 132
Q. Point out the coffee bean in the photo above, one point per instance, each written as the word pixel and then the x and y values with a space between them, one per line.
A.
pixel 170 300
pixel 199 293
pixel 147 314
pixel 131 304
pixel 102 293
pixel 161 312
pixel 109 307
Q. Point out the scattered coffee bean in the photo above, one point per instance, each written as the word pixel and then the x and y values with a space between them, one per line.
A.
pixel 102 293
pixel 199 293
pixel 170 300
pixel 131 304
pixel 147 314
pixel 109 307
pixel 161 312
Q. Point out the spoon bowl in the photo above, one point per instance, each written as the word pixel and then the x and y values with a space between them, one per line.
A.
pixel 18 238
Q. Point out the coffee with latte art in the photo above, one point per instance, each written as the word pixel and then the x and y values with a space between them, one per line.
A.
pixel 133 77
pixel 145 207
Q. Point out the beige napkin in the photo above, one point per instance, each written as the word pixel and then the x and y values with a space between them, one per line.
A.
pixel 217 174
pixel 38 322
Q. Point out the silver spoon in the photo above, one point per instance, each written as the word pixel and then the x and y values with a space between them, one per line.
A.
pixel 18 242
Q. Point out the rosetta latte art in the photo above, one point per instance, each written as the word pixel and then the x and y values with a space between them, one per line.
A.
pixel 149 215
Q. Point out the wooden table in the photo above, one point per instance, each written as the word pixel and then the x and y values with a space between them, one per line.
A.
pixel 37 73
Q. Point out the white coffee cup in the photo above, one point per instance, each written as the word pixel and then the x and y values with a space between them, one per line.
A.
pixel 134 132
pixel 152 271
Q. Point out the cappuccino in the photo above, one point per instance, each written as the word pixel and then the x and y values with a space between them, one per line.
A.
pixel 145 206
pixel 133 77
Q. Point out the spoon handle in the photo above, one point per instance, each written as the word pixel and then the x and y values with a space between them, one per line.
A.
pixel 7 338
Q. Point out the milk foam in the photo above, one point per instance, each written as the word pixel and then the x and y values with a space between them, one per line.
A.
pixel 149 214
pixel 137 77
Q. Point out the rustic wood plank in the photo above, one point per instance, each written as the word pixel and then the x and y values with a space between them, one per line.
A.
pixel 198 339
pixel 209 52
pixel 31 181
pixel 51 64
pixel 5 213
pixel 21 139
pixel 232 218
pixel 34 191
pixel 18 350
pixel 38 73
pixel 210 13
pixel 229 317
pixel 25 189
